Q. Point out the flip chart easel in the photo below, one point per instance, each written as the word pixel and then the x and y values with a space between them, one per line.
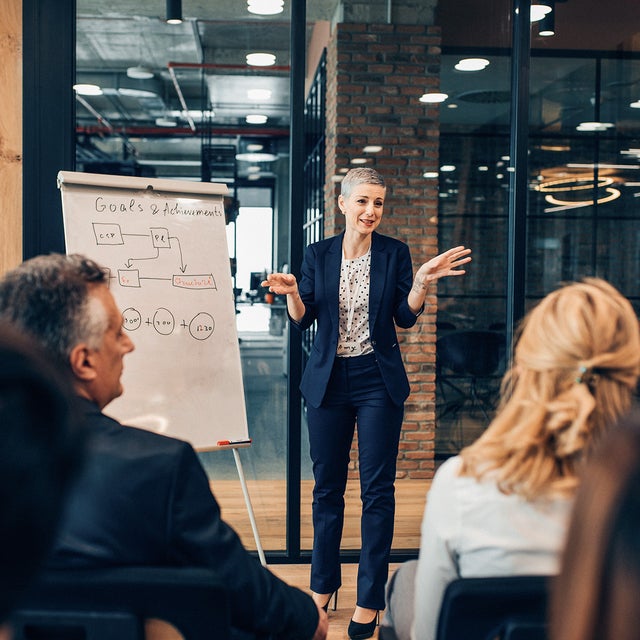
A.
pixel 165 247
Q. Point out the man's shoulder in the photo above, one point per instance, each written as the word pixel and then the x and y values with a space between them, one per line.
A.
pixel 126 435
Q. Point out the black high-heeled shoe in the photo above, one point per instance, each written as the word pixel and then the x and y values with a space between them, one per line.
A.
pixel 363 630
pixel 332 596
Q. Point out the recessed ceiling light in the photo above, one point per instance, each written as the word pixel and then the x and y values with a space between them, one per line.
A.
pixel 255 146
pixel 139 72
pixel 452 105
pixel 483 167
pixel 358 161
pixel 430 174
pixel 256 118
pixel 372 148
pixel 261 59
pixel 87 89
pixel 265 7
pixel 253 169
pixel 166 122
pixel 256 157
pixel 635 105
pixel 196 114
pixel 472 64
pixel 433 98
pixel 259 94
pixel 448 167
pixel 594 126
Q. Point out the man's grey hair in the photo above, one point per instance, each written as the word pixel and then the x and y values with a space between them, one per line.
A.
pixel 49 298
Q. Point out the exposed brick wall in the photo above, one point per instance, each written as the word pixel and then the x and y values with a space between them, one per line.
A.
pixel 375 75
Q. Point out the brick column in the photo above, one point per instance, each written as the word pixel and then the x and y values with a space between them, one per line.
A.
pixel 375 75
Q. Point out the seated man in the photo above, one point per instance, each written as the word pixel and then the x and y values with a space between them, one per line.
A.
pixel 40 452
pixel 143 498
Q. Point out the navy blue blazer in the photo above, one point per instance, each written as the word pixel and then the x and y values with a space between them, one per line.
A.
pixel 391 280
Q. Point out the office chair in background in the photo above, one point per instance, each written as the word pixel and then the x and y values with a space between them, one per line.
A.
pixel 468 364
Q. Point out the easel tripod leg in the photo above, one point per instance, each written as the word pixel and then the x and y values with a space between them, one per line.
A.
pixel 247 499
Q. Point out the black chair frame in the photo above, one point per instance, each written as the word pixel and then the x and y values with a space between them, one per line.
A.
pixel 105 604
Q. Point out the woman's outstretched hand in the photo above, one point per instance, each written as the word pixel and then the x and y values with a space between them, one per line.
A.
pixel 281 283
pixel 444 264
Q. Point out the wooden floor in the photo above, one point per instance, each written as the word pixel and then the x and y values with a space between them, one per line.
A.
pixel 268 501
pixel 298 575
pixel 269 505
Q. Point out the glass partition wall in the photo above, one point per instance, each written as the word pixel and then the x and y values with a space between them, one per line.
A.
pixel 189 120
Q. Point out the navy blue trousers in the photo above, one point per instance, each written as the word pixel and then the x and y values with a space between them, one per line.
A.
pixel 356 394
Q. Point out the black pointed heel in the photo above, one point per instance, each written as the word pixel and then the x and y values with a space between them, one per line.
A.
pixel 363 630
pixel 332 596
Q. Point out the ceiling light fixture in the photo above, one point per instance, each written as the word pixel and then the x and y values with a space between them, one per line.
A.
pixel 174 12
pixel 447 167
pixel 635 105
pixel 472 64
pixel 433 98
pixel 548 23
pixel 372 148
pixel 539 10
pixel 165 121
pixel 256 118
pixel 87 89
pixel 257 156
pixel 139 72
pixel 255 147
pixel 594 126
pixel 430 174
pixel 261 59
pixel 265 7
pixel 359 161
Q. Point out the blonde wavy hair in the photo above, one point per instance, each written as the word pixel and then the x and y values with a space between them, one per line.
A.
pixel 575 368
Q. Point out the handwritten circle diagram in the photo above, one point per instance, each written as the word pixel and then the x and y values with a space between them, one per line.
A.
pixel 131 319
pixel 201 326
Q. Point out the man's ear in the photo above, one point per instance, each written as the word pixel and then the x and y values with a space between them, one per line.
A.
pixel 81 362
pixel 341 203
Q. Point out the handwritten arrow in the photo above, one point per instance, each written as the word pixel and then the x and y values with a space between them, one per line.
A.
pixel 128 263
pixel 183 266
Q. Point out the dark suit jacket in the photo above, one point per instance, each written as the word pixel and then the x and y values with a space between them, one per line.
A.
pixel 391 280
pixel 144 499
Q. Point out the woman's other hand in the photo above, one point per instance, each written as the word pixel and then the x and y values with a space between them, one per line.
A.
pixel 444 264
pixel 281 283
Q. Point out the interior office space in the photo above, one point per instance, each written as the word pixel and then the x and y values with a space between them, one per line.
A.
pixel 514 133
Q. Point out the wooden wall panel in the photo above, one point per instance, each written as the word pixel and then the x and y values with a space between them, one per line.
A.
pixel 10 134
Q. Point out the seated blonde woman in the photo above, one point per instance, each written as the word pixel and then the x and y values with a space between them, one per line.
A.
pixel 502 506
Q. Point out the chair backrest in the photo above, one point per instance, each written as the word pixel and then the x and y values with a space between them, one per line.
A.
pixel 104 604
pixel 470 352
pixel 482 608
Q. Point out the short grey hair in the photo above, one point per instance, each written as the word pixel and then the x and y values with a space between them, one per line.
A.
pixel 50 298
pixel 360 175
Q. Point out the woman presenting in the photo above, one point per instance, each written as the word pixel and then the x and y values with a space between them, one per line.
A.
pixel 357 285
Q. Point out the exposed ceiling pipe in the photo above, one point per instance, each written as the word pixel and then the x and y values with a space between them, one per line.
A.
pixel 220 130
pixel 207 65
pixel 107 127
